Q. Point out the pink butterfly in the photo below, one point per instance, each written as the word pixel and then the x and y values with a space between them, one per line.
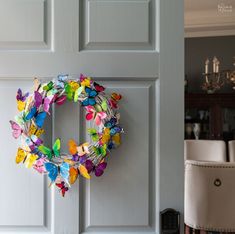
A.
pixel 59 100
pixel 93 114
pixel 40 101
pixel 17 130
pixel 39 165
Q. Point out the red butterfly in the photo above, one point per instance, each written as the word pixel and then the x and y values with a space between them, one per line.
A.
pixel 115 97
pixel 98 88
pixel 62 187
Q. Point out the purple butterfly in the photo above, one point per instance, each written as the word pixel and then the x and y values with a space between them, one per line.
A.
pixel 77 158
pixel 40 101
pixel 99 169
pixel 20 96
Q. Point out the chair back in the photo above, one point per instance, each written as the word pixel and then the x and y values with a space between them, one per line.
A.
pixel 231 151
pixel 205 150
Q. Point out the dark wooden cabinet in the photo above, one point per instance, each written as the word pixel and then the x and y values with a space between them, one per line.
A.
pixel 218 120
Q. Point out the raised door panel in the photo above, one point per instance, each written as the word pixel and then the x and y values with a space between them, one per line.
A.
pixel 123 199
pixel 24 198
pixel 25 24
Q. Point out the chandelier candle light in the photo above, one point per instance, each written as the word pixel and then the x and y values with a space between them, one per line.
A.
pixel 215 80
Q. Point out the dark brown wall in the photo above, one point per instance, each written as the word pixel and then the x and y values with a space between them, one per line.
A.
pixel 196 52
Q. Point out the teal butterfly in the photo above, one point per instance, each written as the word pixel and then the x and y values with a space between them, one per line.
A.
pixel 54 170
pixel 38 116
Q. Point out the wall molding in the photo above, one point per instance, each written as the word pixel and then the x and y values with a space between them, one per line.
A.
pixel 205 23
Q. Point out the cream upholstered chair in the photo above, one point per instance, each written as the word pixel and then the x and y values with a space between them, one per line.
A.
pixel 231 150
pixel 209 187
pixel 205 150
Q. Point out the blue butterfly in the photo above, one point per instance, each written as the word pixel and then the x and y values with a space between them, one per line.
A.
pixel 111 124
pixel 90 101
pixel 55 170
pixel 39 116
pixel 110 145
pixel 61 80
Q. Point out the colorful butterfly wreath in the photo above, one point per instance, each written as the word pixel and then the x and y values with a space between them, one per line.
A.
pixel 63 169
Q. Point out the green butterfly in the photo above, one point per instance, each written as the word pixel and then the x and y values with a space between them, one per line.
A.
pixel 94 134
pixel 101 150
pixel 101 107
pixel 49 88
pixel 50 153
pixel 77 93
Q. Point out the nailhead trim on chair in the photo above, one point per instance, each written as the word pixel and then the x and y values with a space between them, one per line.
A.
pixel 208 166
pixel 198 164
pixel 210 228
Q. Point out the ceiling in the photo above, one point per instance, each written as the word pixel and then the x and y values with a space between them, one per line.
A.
pixel 209 18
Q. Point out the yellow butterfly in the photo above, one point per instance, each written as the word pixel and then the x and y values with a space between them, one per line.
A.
pixel 74 85
pixel 20 105
pixel 73 175
pixel 86 82
pixel 83 171
pixel 33 130
pixel 25 157
pixel 69 161
pixel 106 136
pixel 116 139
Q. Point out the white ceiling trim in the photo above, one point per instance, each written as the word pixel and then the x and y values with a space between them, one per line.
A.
pixel 209 22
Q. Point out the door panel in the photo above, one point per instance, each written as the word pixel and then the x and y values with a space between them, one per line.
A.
pixel 124 192
pixel 24 197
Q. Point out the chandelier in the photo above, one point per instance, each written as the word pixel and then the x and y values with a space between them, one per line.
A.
pixel 215 79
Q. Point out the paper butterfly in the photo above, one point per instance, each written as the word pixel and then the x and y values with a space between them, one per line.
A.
pixel 39 165
pixel 100 150
pixel 73 175
pixel 90 100
pixel 49 88
pixel 115 97
pixel 59 100
pixel 44 102
pixel 97 116
pixel 33 141
pixel 85 81
pixel 106 136
pixel 17 130
pixel 54 171
pixel 50 153
pixel 99 169
pixel 94 134
pixel 33 130
pixel 21 99
pixel 37 85
pixel 73 91
pixel 111 124
pixel 98 88
pixel 61 80
pixel 39 116
pixel 76 150
pixel 83 171
pixel 25 157
pixel 62 187
pixel 101 107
